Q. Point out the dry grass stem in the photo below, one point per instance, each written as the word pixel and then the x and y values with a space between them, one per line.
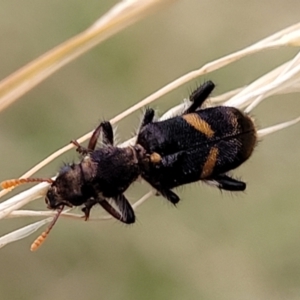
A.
pixel 22 232
pixel 119 17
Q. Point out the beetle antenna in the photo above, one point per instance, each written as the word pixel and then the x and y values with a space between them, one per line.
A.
pixel 41 238
pixel 15 182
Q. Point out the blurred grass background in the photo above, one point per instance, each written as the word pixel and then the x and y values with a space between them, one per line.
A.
pixel 214 245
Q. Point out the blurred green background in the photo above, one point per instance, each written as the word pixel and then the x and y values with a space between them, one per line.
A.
pixel 214 245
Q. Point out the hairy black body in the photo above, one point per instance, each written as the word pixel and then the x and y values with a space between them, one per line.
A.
pixel 200 144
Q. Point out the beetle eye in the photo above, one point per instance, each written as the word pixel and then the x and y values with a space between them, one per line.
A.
pixel 50 197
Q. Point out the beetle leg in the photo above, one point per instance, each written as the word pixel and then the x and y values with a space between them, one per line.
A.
pixel 169 195
pixel 126 214
pixel 199 96
pixel 108 135
pixel 108 138
pixel 227 183
pixel 87 208
pixel 147 119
